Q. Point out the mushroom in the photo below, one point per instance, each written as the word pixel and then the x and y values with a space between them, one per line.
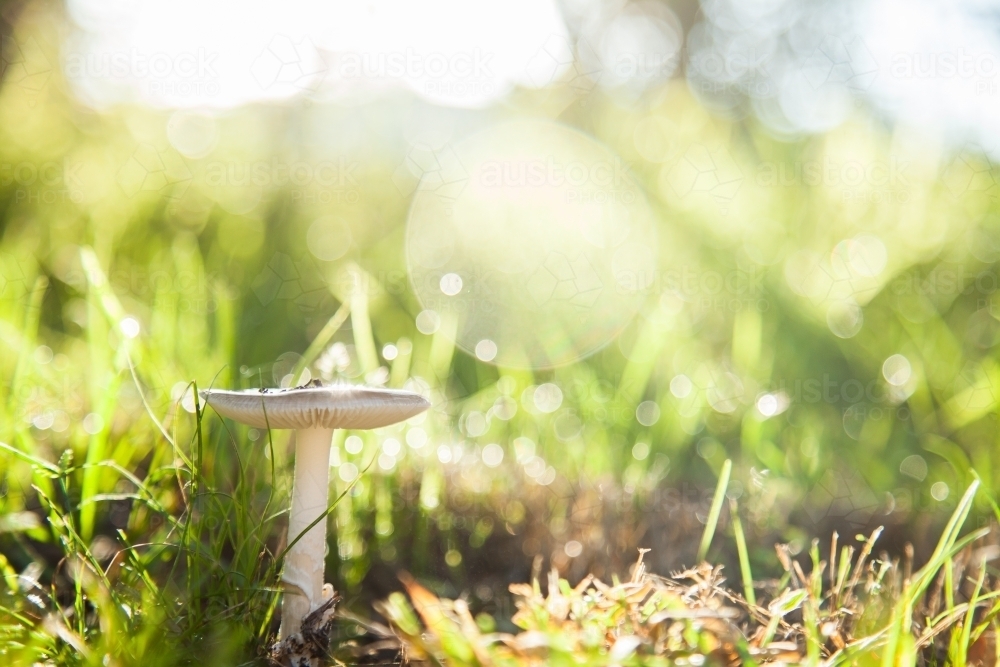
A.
pixel 314 411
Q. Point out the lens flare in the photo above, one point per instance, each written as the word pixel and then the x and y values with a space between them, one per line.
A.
pixel 538 242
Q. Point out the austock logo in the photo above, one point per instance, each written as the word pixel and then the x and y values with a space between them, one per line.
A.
pixel 734 290
pixel 323 181
pixel 729 63
pixel 149 169
pixel 970 175
pixel 432 169
pixel 703 172
pixel 841 59
pixel 286 279
pixel 14 281
pixel 556 61
pixel 23 63
pixel 981 66
pixel 857 180
pixel 841 496
pixel 196 291
pixel 184 74
pixel 49 182
pixel 289 63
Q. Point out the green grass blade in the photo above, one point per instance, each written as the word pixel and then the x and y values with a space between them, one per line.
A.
pixel 900 638
pixel 715 511
pixel 320 341
pixel 741 549
pixel 364 339
pixel 966 637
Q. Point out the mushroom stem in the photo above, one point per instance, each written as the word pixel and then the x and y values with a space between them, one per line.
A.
pixel 303 569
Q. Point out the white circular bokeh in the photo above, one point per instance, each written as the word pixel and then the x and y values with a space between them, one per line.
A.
pixel 533 238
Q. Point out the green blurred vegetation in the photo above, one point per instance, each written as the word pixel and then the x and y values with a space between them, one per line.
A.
pixel 767 248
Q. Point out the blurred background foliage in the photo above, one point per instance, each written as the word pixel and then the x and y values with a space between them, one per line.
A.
pixel 822 311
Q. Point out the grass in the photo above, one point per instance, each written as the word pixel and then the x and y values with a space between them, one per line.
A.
pixel 190 570
pixel 135 529
pixel 207 585
pixel 870 611
pixel 715 510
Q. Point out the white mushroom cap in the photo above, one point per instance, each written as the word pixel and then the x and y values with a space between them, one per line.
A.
pixel 314 406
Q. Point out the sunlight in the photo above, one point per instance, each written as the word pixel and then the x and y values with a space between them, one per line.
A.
pixel 939 67
pixel 222 54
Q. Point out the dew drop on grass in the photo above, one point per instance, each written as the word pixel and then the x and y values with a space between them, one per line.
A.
pixel 506 385
pixel 428 322
pixel 353 444
pixel 897 370
pixel 940 491
pixel 329 238
pixel 129 327
pixel 548 477
pixel 844 318
pixel 914 466
pixel 504 408
pixel 60 422
pixel 451 284
pixel 548 397
pixel 534 467
pixel 476 424
pixel 183 392
pixel 770 405
pixel 348 472
pixel 43 421
pixel 648 413
pixel 568 425
pixel 725 393
pixel 416 437
pixel 43 354
pixel 93 423
pixel 486 350
pixel 640 451
pixel 492 455
pixel 867 255
pixel 524 449
pixel 680 386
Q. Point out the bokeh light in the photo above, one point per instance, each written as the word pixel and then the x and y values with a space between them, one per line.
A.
pixel 613 243
pixel 541 251
pixel 219 55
